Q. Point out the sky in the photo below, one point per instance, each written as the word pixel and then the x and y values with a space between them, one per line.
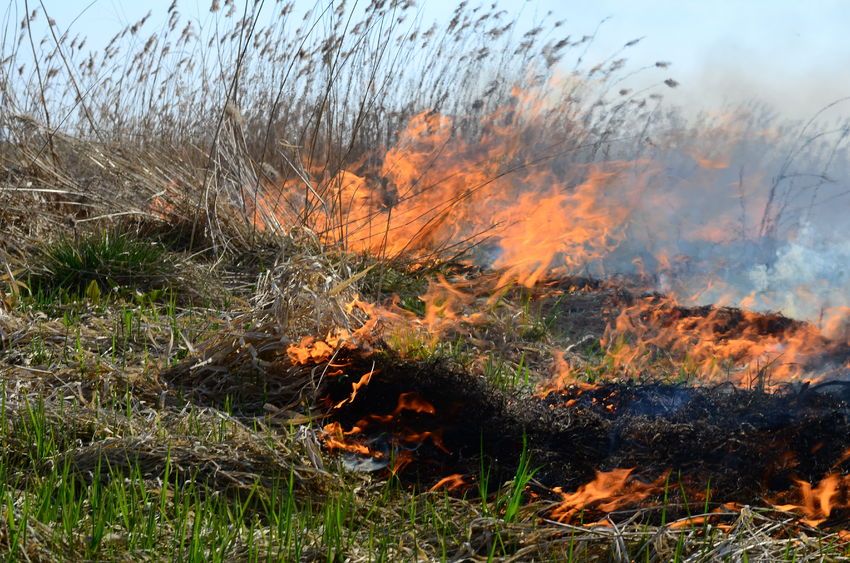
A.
pixel 793 55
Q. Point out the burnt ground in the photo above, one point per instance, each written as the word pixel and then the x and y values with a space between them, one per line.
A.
pixel 717 443
pixel 735 445
pixel 720 443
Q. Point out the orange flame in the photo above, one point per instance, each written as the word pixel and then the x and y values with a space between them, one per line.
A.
pixel 362 382
pixel 311 350
pixel 445 305
pixel 562 377
pixel 716 343
pixel 818 502
pixel 336 439
pixel 608 491
pixel 434 189
pixel 450 483
pixel 161 208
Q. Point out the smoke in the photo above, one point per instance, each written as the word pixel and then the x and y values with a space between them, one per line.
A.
pixel 738 208
pixel 742 209
pixel 808 279
pixel 794 94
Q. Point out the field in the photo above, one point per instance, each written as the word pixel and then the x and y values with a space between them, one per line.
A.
pixel 345 286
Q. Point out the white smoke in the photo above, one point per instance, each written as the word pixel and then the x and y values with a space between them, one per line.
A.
pixel 810 277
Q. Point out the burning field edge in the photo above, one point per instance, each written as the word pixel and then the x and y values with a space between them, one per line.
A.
pixel 465 412
pixel 645 448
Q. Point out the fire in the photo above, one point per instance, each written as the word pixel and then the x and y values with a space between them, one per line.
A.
pixel 717 343
pixel 433 189
pixel 563 377
pixel 608 491
pixel 362 382
pixel 406 402
pixel 447 306
pixel 379 317
pixel 312 350
pixel 336 439
pixel 577 225
pixel 436 189
pixel 533 208
pixel 402 459
pixel 563 372
pixel 161 208
pixel 309 350
pixel 817 503
pixel 709 163
pixel 355 441
pixel 450 483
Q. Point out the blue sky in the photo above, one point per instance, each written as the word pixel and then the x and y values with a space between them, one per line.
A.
pixel 794 55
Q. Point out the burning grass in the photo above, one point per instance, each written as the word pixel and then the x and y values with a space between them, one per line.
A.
pixel 663 451
pixel 255 427
pixel 308 299
pixel 260 429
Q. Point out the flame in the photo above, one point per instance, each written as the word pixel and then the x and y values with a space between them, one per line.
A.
pixel 608 491
pixel 402 459
pixel 433 189
pixel 577 224
pixel 312 350
pixel 413 402
pixel 563 377
pixel 716 343
pixel 817 503
pixel 161 208
pixel 379 317
pixel 688 522
pixel 309 350
pixel 362 382
pixel 533 210
pixel 450 483
pixel 446 306
pixel 419 437
pixel 709 163
pixel 336 438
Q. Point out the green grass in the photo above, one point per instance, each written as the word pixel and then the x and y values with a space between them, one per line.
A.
pixel 515 497
pixel 114 511
pixel 98 265
pixel 507 376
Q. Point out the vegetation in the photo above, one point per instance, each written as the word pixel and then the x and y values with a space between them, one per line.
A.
pixel 171 220
pixel 100 263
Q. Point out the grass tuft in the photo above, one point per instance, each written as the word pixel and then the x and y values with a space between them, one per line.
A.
pixel 101 263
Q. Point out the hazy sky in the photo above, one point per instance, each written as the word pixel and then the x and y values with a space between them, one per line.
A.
pixel 793 54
